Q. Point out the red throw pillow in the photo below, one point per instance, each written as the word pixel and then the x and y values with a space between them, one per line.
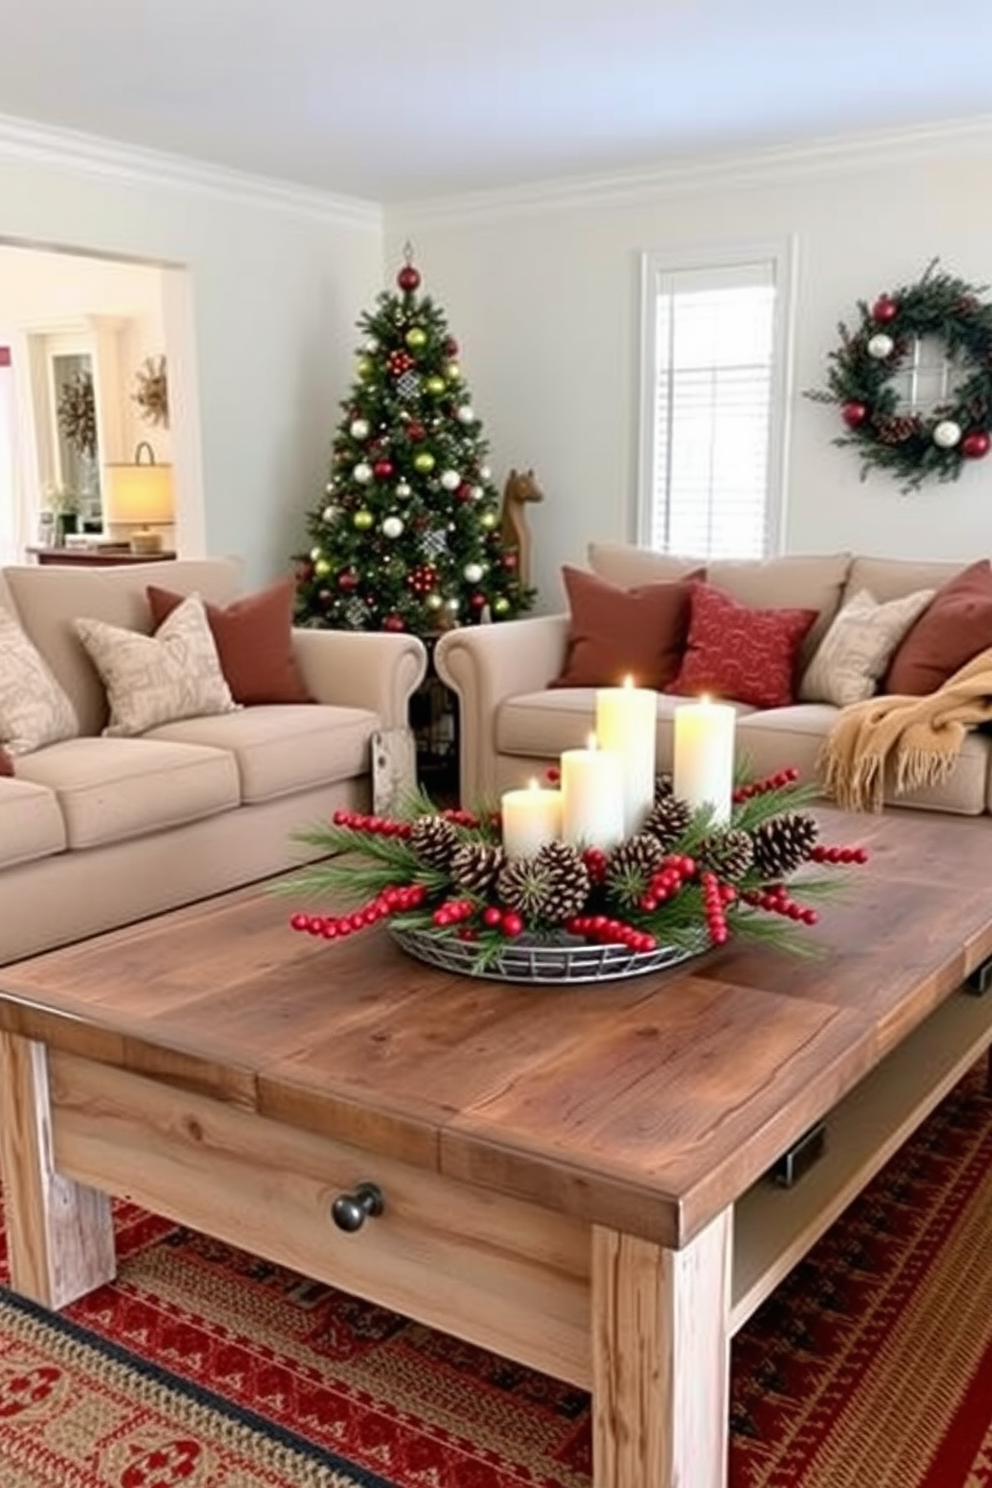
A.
pixel 954 627
pixel 748 656
pixel 6 763
pixel 254 643
pixel 614 633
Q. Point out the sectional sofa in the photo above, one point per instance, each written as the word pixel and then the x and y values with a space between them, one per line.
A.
pixel 97 830
pixel 515 722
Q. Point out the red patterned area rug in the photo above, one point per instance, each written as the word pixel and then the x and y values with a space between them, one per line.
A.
pixel 204 1367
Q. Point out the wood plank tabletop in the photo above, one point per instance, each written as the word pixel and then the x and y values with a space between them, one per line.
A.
pixel 648 1103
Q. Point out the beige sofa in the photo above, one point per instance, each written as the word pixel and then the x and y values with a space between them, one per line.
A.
pixel 513 727
pixel 98 831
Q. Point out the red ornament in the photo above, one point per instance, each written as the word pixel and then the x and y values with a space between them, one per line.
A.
pixel 976 445
pixel 450 346
pixel 394 622
pixel 884 310
pixel 463 492
pixel 408 279
pixel 477 601
pixel 382 469
pixel 510 561
pixel 415 432
pixel 348 580
pixel 854 414
pixel 399 362
pixel 304 573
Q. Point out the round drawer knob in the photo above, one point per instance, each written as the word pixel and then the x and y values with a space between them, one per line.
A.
pixel 350 1210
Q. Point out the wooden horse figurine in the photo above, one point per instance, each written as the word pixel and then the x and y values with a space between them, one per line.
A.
pixel 521 487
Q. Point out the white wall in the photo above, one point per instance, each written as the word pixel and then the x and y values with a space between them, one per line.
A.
pixel 277 281
pixel 543 297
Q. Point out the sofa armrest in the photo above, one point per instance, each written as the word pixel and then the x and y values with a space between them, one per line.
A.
pixel 485 664
pixel 362 669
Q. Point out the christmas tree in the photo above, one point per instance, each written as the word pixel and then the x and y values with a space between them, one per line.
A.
pixel 407 535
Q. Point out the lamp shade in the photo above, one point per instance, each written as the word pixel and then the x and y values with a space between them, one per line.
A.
pixel 139 494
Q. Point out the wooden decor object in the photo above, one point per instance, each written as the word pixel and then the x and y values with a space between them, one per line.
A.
pixel 521 487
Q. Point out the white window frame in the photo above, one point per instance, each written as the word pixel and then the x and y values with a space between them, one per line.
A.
pixel 780 255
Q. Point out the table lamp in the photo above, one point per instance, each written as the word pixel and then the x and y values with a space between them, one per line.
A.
pixel 139 495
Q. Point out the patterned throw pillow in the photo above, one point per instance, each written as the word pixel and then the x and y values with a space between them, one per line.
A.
pixel 743 655
pixel 158 679
pixel 857 648
pixel 34 710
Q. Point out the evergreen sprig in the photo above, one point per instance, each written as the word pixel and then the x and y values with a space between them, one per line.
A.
pixel 901 441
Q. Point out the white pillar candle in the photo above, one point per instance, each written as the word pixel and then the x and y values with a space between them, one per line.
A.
pixel 591 797
pixel 703 761
pixel 626 723
pixel 531 818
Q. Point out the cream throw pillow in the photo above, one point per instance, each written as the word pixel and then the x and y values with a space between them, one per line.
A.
pixel 34 710
pixel 855 652
pixel 161 678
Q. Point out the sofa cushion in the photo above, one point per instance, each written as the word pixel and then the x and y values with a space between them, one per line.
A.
pixel 857 648
pixel 615 632
pixel 48 599
pixel 890 578
pixel 254 642
pixel 287 747
pixel 813 581
pixel 34 710
pixel 953 629
pixel 32 823
pixel 111 789
pixel 154 679
pixel 736 652
pixel 6 762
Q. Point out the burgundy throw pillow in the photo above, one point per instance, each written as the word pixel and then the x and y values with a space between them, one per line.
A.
pixel 254 643
pixel 615 633
pixel 954 627
pixel 744 655
pixel 6 763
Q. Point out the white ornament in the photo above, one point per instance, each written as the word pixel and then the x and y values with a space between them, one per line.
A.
pixel 488 519
pixel 881 346
pixel 392 527
pixel 359 429
pixel 477 493
pixel 473 572
pixel 362 473
pixel 403 490
pixel 370 344
pixel 452 605
pixel 450 480
pixel 433 601
pixel 329 488
pixel 315 553
pixel 330 513
pixel 485 473
pixel 947 434
pixel 465 414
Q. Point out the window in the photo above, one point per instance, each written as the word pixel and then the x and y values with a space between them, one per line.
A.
pixel 712 398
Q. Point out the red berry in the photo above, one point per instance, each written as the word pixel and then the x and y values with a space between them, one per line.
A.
pixel 512 925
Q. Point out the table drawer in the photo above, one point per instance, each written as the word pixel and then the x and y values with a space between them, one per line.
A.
pixel 502 1273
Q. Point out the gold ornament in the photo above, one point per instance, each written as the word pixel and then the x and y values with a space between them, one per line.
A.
pixel 501 605
pixel 435 385
pixel 152 396
pixel 322 568
pixel 452 372
pixel 364 368
pixel 363 519
pixel 416 337
pixel 423 462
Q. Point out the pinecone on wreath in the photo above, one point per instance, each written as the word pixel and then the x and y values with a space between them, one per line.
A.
pixel 782 843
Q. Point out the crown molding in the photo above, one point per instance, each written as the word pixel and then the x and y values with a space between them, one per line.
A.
pixel 819 157
pixel 21 140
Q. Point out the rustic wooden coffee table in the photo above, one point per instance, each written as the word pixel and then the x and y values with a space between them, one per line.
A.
pixel 570 1176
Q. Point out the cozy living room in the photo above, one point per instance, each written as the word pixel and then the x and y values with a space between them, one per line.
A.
pixel 495 749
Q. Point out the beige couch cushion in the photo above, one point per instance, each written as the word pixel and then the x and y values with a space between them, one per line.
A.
pixel 799 581
pixel 48 599
pixel 856 650
pixel 113 789
pixel 284 747
pixel 34 709
pixel 891 578
pixel 32 825
pixel 156 679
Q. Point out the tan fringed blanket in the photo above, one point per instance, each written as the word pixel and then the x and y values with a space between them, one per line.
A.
pixel 919 737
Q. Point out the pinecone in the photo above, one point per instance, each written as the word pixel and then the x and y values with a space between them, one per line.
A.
pixel 728 853
pixel 434 839
pixel 521 885
pixel 475 866
pixel 568 882
pixel 782 843
pixel 663 786
pixel 668 818
pixel 631 867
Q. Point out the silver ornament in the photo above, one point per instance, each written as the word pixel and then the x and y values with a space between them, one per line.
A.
pixel 362 473
pixel 392 527
pixel 881 346
pixel 452 605
pixel 316 553
pixel 465 414
pixel 403 490
pixel 370 344
pixel 947 434
pixel 359 428
pixel 473 572
pixel 330 513
pixel 450 480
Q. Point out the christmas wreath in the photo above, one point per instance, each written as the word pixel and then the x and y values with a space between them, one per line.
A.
pixel 76 413
pixel 912 444
pixel 682 881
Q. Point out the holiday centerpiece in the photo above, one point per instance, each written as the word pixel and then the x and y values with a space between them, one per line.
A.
pixel 874 377
pixel 613 872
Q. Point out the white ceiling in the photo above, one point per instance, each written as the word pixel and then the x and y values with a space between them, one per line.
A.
pixel 395 100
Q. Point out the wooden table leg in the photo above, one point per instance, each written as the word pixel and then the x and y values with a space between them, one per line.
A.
pixel 60 1235
pixel 661 1360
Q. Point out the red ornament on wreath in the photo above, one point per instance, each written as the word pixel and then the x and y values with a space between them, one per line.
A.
pixel 884 310
pixel 854 414
pixel 976 445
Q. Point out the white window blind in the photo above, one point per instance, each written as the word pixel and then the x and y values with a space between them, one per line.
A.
pixel 711 383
